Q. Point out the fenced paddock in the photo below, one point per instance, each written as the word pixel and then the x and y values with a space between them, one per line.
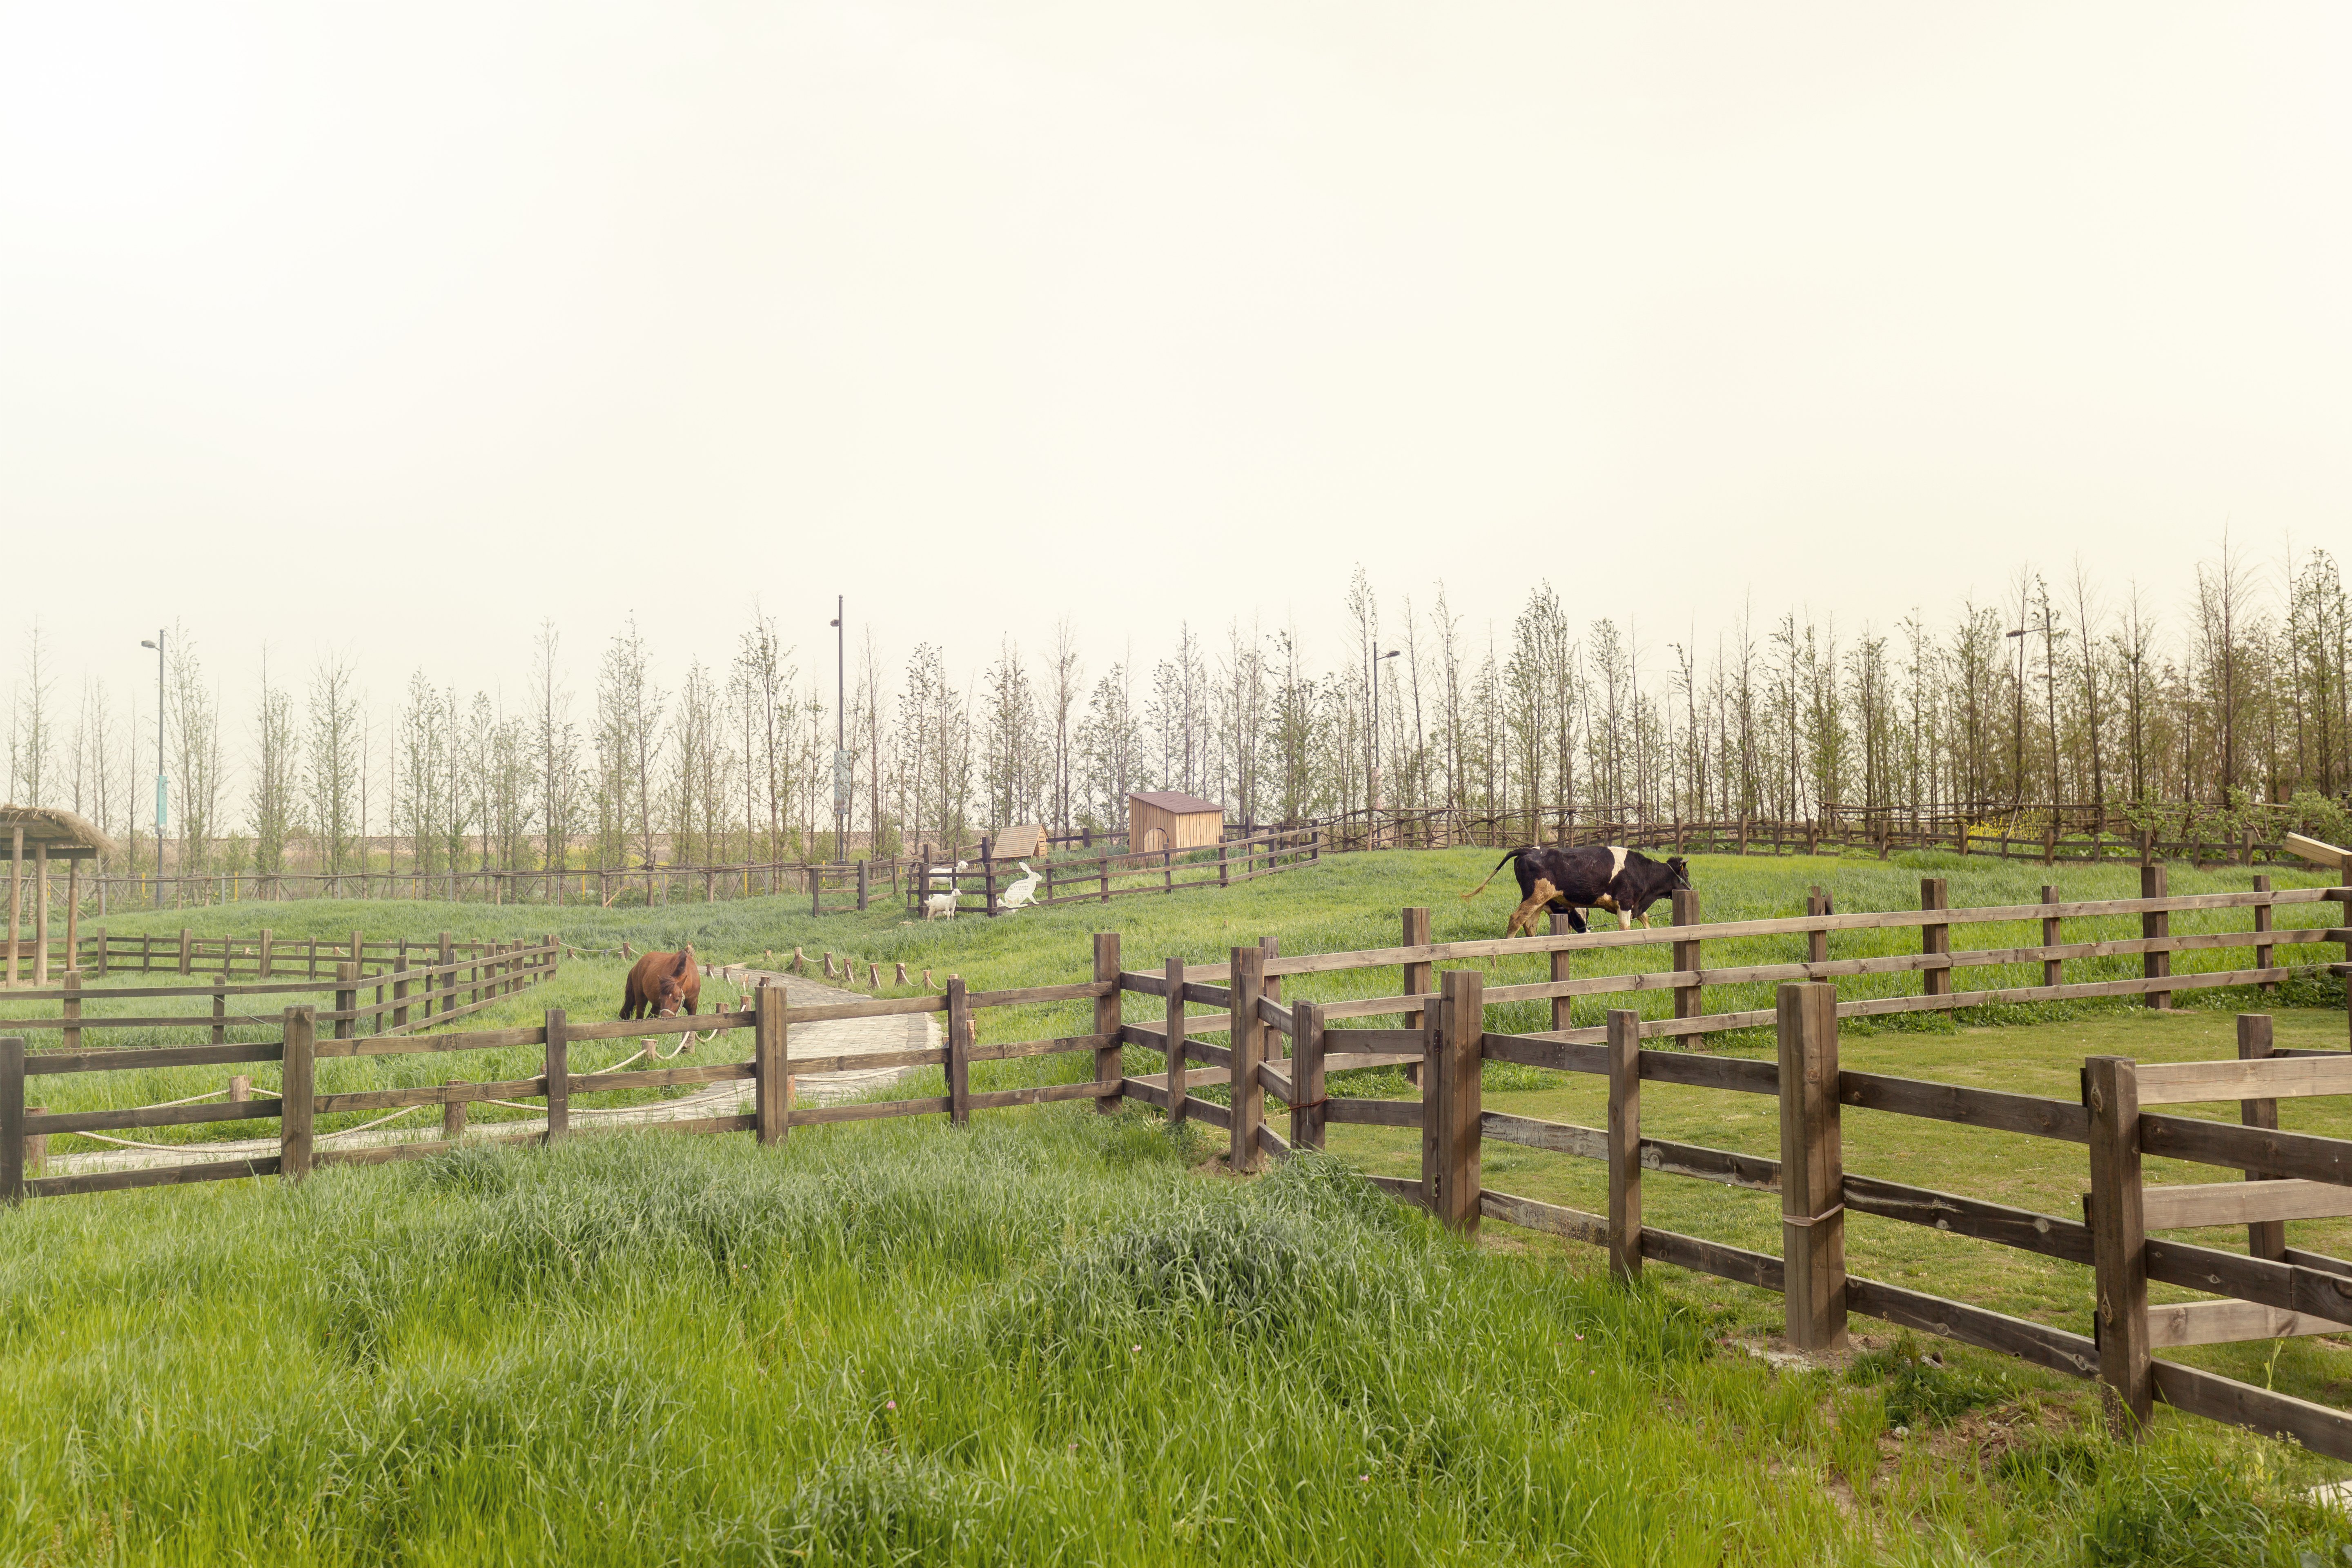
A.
pixel 1228 1028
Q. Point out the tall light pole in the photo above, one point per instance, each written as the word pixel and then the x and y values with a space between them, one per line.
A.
pixel 841 780
pixel 162 785
pixel 1372 772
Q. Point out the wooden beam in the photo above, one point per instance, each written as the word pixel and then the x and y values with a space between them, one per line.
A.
pixel 2256 1078
pixel 2318 852
pixel 2227 1323
pixel 2242 1203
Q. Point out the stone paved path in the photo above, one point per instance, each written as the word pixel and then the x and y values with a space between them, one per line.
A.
pixel 828 1037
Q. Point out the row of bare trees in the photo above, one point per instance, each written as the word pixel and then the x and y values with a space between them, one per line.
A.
pixel 2064 688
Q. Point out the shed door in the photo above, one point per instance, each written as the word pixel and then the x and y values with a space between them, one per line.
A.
pixel 1155 839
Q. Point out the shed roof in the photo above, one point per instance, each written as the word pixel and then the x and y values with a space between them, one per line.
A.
pixel 57 828
pixel 1177 800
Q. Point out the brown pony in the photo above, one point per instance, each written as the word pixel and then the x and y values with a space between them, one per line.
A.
pixel 661 983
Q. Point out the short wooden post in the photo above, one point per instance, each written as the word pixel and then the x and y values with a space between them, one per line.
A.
pixel 865 884
pixel 453 1115
pixel 11 1119
pixel 187 951
pixel 1247 1035
pixel 2154 965
pixel 400 998
pixel 97 950
pixel 1307 1085
pixel 1812 1168
pixel 558 1076
pixel 958 1053
pixel 1563 968
pixel 1817 942
pixel 1625 1143
pixel 2118 1236
pixel 70 1008
pixel 1174 1019
pixel 1109 1056
pixel 1420 979
pixel 73 913
pixel 298 1084
pixel 446 981
pixel 2262 917
pixel 1224 864
pixel 771 1065
pixel 1935 893
pixel 1450 1126
pixel 220 1015
pixel 36 1144
pixel 2053 970
pixel 41 913
pixel 263 960
pixel 2264 1237
pixel 347 1000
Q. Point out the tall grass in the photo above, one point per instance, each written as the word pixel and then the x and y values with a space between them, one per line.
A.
pixel 1039 1340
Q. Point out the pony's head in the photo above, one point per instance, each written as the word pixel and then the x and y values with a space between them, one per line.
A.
pixel 669 983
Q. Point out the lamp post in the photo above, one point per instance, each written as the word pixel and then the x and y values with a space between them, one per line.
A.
pixel 840 732
pixel 1373 770
pixel 162 785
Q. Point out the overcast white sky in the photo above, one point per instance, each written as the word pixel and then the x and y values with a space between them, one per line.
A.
pixel 400 327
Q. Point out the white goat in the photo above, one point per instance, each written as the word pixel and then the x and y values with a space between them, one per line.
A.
pixel 1022 894
pixel 940 906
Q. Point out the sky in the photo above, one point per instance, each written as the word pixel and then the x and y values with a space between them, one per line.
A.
pixel 396 329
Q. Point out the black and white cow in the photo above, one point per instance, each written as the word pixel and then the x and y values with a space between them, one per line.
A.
pixel 1594 877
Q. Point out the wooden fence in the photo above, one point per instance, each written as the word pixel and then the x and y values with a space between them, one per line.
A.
pixel 979 887
pixel 1441 1035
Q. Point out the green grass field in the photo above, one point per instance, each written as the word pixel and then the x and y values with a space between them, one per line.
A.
pixel 1057 1336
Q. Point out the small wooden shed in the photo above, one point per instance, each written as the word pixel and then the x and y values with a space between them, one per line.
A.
pixel 1169 820
pixel 1023 841
pixel 52 835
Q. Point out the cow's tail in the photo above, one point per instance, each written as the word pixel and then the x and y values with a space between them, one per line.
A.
pixel 1506 860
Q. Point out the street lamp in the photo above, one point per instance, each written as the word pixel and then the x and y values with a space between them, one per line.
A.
pixel 841 780
pixel 162 785
pixel 1372 772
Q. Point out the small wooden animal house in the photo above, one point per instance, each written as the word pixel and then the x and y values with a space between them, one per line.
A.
pixel 1169 819
pixel 1025 841
pixel 51 835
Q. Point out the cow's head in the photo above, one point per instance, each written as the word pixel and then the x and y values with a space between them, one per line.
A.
pixel 669 983
pixel 1681 869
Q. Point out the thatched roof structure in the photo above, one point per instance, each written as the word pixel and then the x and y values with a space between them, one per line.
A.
pixel 68 836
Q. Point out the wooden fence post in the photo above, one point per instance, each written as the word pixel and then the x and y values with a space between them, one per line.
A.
pixel 2155 965
pixel 1450 1135
pixel 1418 977
pixel 1817 942
pixel 2053 971
pixel 11 1119
pixel 1562 967
pixel 559 1077
pixel 347 1000
pixel 446 981
pixel 1812 1168
pixel 263 960
pixel 220 1013
pixel 1247 1036
pixel 865 884
pixel 1308 1092
pixel 1109 1015
pixel 453 1115
pixel 399 998
pixel 1935 893
pixel 70 1010
pixel 97 942
pixel 2264 1237
pixel 771 1060
pixel 2262 951
pixel 1174 1020
pixel 2118 1237
pixel 1625 1143
pixel 298 1084
pixel 187 951
pixel 958 1053
pixel 1690 1001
